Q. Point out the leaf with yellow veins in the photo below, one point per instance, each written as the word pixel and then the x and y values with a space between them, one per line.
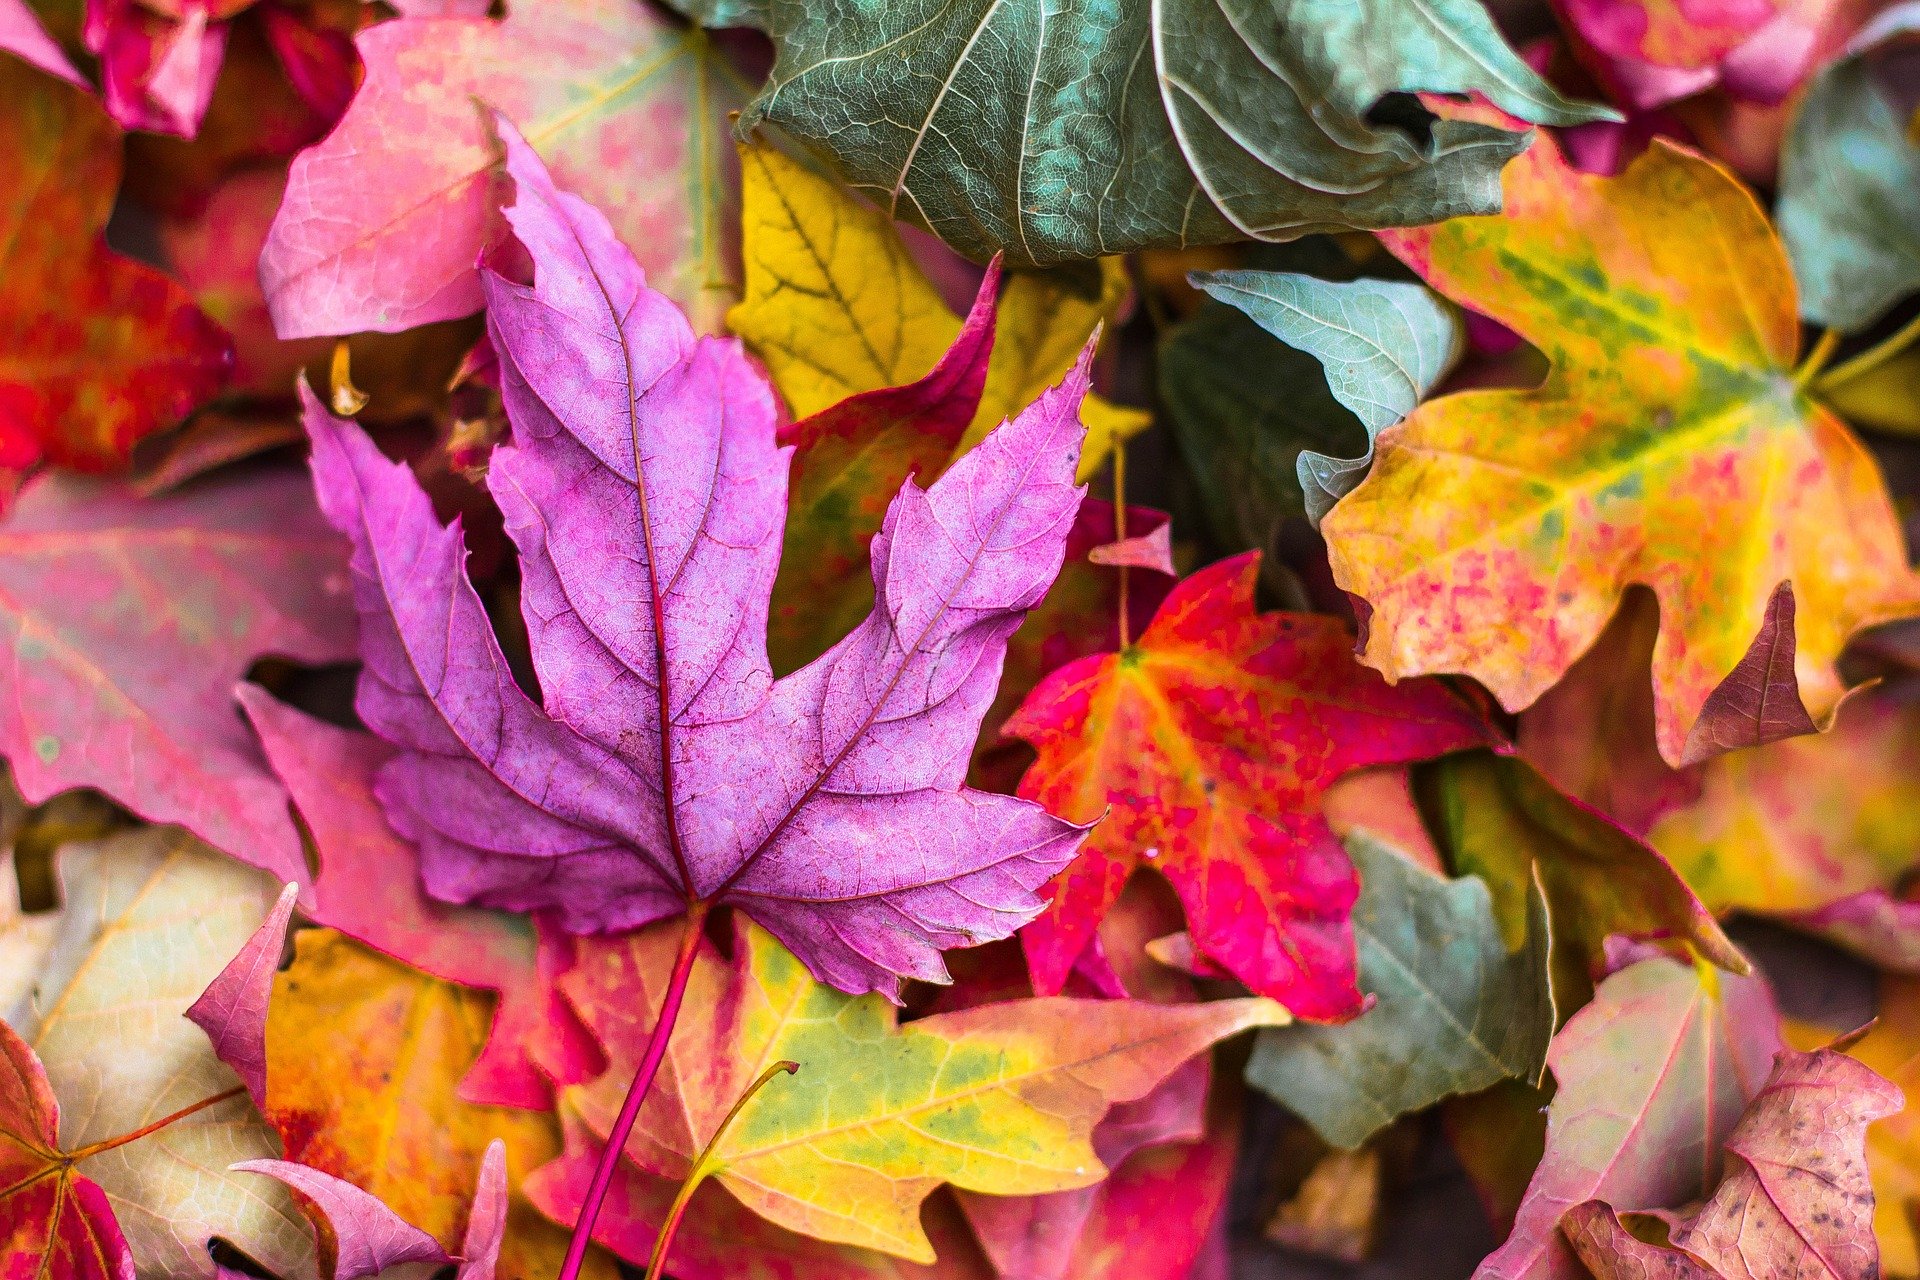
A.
pixel 1670 445
pixel 1000 1098
pixel 363 1056
pixel 835 305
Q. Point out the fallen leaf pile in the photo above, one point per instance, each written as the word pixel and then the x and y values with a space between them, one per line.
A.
pixel 782 640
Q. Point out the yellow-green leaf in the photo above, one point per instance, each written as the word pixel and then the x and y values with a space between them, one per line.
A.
pixel 834 305
pixel 1000 1098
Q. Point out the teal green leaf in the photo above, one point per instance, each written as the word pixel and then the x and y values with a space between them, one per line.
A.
pixel 1054 132
pixel 1456 1013
pixel 723 13
pixel 1383 344
pixel 1849 206
pixel 1244 409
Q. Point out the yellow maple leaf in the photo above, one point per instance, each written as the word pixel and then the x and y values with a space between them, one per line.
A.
pixel 834 305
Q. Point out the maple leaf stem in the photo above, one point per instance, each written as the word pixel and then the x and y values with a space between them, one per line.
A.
pixel 704 1167
pixel 1120 530
pixel 1823 349
pixel 1878 354
pixel 636 1092
pixel 109 1144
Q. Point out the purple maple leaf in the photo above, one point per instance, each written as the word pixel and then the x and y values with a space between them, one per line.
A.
pixel 647 497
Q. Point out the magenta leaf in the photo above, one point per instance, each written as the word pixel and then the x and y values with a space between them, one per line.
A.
pixel 487 1221
pixel 1152 551
pixel 128 620
pixel 371 1236
pixel 369 889
pixel 646 493
pixel 22 34
pixel 233 1008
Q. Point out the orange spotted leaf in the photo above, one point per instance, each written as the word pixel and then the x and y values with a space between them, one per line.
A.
pixel 1207 745
pixel 1670 445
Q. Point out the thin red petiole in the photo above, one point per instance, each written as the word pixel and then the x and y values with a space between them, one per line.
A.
pixel 703 1167
pixel 109 1144
pixel 636 1093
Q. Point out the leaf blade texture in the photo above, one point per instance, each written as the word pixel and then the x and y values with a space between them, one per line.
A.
pixel 369 888
pixel 1010 128
pixel 1653 1076
pixel 370 1236
pixel 1207 745
pixel 836 305
pixel 1384 345
pixel 96 350
pixel 1001 1097
pixel 131 620
pixel 1847 173
pixel 384 220
pixel 61 1221
pixel 1648 455
pixel 667 765
pixel 1455 1012
pixel 233 1008
pixel 152 917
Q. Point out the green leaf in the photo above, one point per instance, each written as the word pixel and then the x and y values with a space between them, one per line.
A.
pixel 1383 344
pixel 1054 133
pixel 1495 817
pixel 1457 1011
pixel 1245 410
pixel 1849 206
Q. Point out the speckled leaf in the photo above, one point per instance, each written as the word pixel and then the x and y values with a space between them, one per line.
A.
pixel 1206 746
pixel 1668 446
pixel 1497 818
pixel 152 916
pixel 1653 1076
pixel 1798 825
pixel 1383 345
pixel 383 221
pixel 127 621
pixel 1796 1200
pixel 1051 135
pixel 1454 1011
pixel 1892 1048
pixel 1001 1097
pixel 1796 1203
pixel 835 305
pixel 1849 207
